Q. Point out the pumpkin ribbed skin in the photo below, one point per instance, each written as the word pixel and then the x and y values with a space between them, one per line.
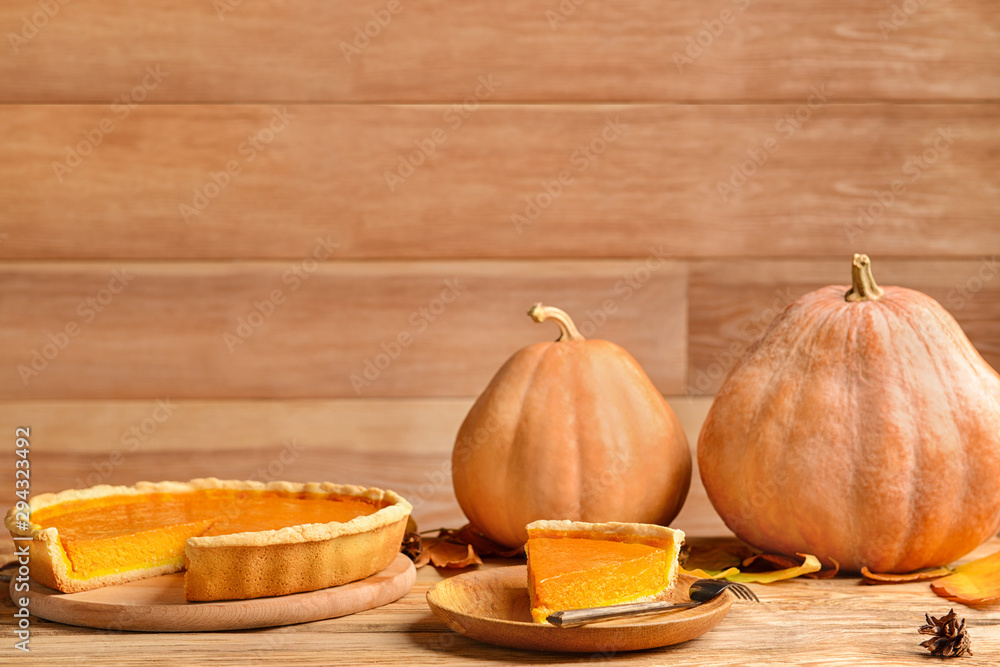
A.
pixel 867 432
pixel 572 429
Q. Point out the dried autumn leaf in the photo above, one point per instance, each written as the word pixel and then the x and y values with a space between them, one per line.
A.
pixel 876 578
pixel 448 554
pixel 423 559
pixel 809 565
pixel 483 545
pixel 768 562
pixel 975 583
pixel 827 573
pixel 714 553
pixel 771 562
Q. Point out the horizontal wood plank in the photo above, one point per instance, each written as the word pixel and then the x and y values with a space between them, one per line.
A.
pixel 732 302
pixel 403 444
pixel 80 443
pixel 316 329
pixel 392 425
pixel 315 51
pixel 690 181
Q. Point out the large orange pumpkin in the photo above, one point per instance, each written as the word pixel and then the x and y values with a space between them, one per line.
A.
pixel 572 429
pixel 862 427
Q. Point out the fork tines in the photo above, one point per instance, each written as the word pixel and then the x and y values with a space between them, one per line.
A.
pixel 743 592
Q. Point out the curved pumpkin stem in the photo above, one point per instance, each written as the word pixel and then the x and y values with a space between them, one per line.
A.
pixel 864 287
pixel 567 330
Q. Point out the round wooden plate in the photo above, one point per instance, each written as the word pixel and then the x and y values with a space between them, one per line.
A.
pixel 492 606
pixel 158 604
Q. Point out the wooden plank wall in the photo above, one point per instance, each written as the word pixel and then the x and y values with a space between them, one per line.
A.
pixel 228 229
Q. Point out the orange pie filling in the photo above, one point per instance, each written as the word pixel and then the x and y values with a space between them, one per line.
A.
pixel 574 565
pixel 235 539
pixel 117 533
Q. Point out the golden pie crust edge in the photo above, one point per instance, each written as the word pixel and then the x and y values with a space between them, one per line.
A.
pixel 647 533
pixel 241 565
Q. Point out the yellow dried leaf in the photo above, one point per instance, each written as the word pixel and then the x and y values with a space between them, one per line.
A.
pixel 975 583
pixel 809 565
pixel 711 574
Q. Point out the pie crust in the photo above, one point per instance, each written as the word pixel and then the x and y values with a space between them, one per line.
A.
pixel 603 564
pixel 240 565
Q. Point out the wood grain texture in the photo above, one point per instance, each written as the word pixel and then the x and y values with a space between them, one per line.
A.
pixel 234 51
pixel 421 425
pixel 258 330
pixel 732 302
pixel 663 182
pixel 158 604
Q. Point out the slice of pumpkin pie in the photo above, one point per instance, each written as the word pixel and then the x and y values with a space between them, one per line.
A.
pixel 575 565
pixel 235 539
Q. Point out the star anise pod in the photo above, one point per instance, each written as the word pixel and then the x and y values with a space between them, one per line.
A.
pixel 950 640
pixel 412 546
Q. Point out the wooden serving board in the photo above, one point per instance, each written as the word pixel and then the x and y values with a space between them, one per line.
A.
pixel 158 604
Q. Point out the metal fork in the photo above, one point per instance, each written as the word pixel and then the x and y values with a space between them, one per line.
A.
pixel 700 592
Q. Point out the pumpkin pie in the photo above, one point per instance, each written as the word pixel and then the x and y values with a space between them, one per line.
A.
pixel 235 539
pixel 575 565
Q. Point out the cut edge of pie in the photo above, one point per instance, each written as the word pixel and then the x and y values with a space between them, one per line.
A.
pixel 239 565
pixel 631 562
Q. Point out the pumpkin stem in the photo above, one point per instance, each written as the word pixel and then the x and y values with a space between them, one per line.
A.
pixel 864 287
pixel 567 330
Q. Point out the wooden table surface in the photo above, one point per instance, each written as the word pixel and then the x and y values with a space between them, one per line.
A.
pixel 832 622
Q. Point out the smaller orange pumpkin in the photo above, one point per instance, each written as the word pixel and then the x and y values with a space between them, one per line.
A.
pixel 572 429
